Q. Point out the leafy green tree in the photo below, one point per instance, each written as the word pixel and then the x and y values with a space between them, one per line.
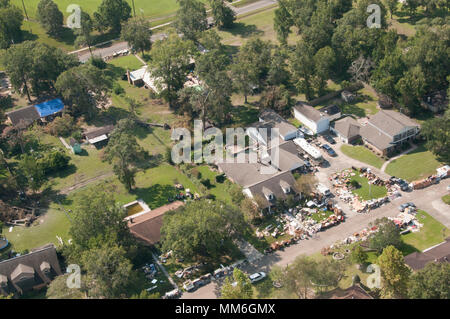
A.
pixel 412 6
pixel 97 218
pixel 392 6
pixel 123 151
pixel 111 14
pixel 251 66
pixel 32 171
pixel 388 72
pixel 200 230
pixel 58 290
pixel 327 273
pixel 323 62
pixel 237 287
pixel 137 33
pixel 297 276
pixel 170 61
pixel 109 272
pixel 223 15
pixel 437 134
pixel 394 273
pixel 278 73
pixel 144 294
pixel 277 98
pixel 387 235
pixel 282 21
pixel 411 88
pixel 82 88
pixel 302 69
pixel 431 282
pixel 50 18
pixel 359 256
pixel 11 20
pixel 84 34
pixel 191 19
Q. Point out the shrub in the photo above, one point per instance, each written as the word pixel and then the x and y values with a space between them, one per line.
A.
pixel 118 89
pixel 206 182
pixel 62 126
pixel 54 161
pixel 220 178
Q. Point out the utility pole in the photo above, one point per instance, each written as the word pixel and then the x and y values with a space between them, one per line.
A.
pixel 25 10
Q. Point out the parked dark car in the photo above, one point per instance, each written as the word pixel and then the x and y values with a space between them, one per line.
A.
pixel 329 139
pixel 329 150
pixel 402 207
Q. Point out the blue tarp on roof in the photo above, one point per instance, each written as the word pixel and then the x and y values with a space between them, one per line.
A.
pixel 49 107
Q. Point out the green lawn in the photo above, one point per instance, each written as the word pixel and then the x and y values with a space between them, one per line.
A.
pixel 127 62
pixel 146 8
pixel 54 223
pixel 362 154
pixel 429 235
pixel 366 191
pixel 446 199
pixel 34 31
pixel 321 215
pixel 416 165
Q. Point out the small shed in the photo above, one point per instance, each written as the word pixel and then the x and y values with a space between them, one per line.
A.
pixel 75 146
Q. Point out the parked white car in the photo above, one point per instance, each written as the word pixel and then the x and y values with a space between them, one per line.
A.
pixel 257 277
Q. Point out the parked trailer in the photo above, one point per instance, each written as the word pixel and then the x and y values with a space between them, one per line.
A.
pixel 312 151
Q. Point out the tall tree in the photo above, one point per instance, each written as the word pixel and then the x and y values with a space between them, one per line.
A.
pixel 82 88
pixel 84 34
pixel 411 88
pixel 171 59
pixel 138 34
pixel 124 151
pixel 394 273
pixel 11 20
pixel 109 272
pixel 431 282
pixel 437 134
pixel 32 171
pixel 297 276
pixel 387 235
pixel 191 18
pixel 50 17
pixel 237 287
pixel 201 230
pixel 223 15
pixel 111 14
pixel 302 69
pixel 58 289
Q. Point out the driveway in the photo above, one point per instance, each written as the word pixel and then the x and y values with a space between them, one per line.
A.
pixel 427 199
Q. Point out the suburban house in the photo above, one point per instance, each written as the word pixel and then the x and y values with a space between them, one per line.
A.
pixel 332 111
pixel 44 112
pixel 267 179
pixel 275 188
pixel 147 226
pixel 32 271
pixel 347 129
pixel 315 120
pixel 270 119
pixel 387 130
pixel 438 254
pixel 99 136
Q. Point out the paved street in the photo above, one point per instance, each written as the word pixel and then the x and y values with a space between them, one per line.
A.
pixel 109 48
pixel 428 199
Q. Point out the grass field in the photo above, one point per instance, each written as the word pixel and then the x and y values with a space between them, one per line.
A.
pixel 362 154
pixel 146 8
pixel 432 233
pixel 366 191
pixel 416 165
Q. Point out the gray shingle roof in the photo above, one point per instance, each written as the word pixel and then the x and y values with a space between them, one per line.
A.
pixel 273 186
pixel 24 116
pixel 347 127
pixel 308 111
pixel 376 137
pixel 391 122
pixel 273 120
pixel 440 253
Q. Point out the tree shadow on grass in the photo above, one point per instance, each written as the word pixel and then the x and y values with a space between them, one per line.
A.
pixel 407 249
pixel 353 109
pixel 156 195
pixel 245 30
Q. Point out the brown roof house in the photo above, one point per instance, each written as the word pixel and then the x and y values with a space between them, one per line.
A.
pixel 99 136
pixel 31 271
pixel 147 227
pixel 23 117
pixel 388 129
pixel 439 254
pixel 347 129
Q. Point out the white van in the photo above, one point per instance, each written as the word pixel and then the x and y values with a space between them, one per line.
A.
pixel 323 190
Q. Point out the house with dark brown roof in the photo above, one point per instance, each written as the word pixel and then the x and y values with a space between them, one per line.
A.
pixel 31 271
pixel 147 227
pixel 347 129
pixel 438 254
pixel 23 117
pixel 99 136
pixel 387 130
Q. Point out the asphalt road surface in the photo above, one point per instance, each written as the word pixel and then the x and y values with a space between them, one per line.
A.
pixel 110 48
